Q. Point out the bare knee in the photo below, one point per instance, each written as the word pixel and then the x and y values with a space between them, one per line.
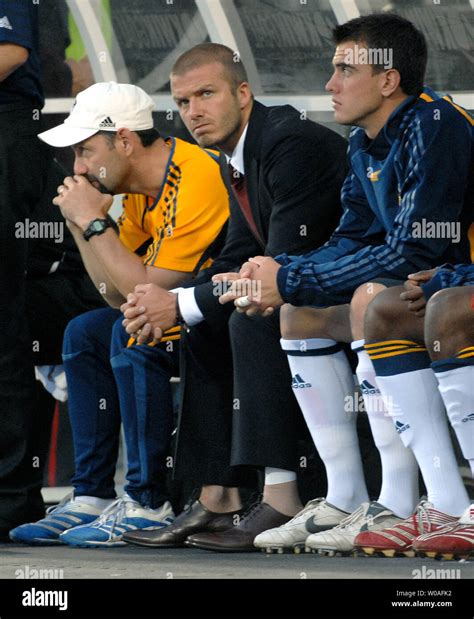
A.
pixel 311 322
pixel 364 295
pixel 449 324
pixel 383 316
pixel 299 322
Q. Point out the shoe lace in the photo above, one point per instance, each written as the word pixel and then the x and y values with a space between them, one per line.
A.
pixel 59 507
pixel 252 511
pixel 313 503
pixel 353 520
pixel 422 518
pixel 114 514
pixel 310 506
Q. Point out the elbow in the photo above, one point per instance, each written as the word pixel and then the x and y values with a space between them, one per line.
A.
pixel 22 56
pixel 17 56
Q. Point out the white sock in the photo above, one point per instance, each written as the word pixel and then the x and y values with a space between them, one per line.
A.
pixel 400 490
pixel 457 390
pixel 94 501
pixel 322 381
pixel 278 476
pixel 414 402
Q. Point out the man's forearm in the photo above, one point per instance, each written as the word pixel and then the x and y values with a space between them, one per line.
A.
pixel 102 281
pixel 11 58
pixel 124 268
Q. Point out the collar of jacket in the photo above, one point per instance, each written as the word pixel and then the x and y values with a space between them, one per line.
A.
pixel 381 144
pixel 253 139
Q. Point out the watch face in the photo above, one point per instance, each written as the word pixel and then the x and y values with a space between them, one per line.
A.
pixel 97 226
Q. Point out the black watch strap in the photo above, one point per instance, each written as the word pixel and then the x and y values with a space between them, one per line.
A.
pixel 99 226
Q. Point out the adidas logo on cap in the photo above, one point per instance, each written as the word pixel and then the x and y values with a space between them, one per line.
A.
pixel 299 383
pixel 5 23
pixel 107 122
pixel 467 418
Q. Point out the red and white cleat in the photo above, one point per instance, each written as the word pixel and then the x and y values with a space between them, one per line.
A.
pixel 451 542
pixel 398 540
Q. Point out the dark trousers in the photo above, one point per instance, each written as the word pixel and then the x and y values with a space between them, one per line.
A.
pixel 238 409
pixel 23 161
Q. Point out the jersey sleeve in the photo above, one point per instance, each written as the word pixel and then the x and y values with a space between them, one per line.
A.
pixel 16 23
pixel 449 276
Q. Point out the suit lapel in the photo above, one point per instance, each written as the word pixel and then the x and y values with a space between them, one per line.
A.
pixel 252 162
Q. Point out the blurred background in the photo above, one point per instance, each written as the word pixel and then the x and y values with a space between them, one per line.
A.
pixel 285 45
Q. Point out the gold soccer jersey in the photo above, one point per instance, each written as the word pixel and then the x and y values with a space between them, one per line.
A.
pixel 174 230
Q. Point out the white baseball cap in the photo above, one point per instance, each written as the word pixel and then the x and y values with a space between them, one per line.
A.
pixel 106 106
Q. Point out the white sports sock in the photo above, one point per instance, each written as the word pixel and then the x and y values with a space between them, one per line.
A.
pixel 457 390
pixel 94 501
pixel 278 476
pixel 400 489
pixel 414 402
pixel 322 381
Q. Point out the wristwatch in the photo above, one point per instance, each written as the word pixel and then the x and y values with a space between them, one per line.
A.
pixel 99 226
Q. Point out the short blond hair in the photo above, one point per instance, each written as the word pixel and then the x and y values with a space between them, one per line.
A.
pixel 206 53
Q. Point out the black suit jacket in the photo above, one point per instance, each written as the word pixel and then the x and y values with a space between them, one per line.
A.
pixel 294 170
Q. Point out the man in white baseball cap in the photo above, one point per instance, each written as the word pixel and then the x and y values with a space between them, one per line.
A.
pixel 173 223
pixel 106 106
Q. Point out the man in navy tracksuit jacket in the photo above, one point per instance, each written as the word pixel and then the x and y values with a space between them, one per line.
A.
pixel 394 175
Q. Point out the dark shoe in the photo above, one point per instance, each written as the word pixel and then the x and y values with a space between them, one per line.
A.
pixel 194 520
pixel 240 538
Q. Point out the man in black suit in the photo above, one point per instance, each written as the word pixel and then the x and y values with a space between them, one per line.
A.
pixel 286 173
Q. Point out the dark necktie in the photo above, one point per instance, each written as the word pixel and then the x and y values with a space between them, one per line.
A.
pixel 239 187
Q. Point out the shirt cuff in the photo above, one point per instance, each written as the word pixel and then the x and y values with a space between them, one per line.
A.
pixel 434 285
pixel 282 276
pixel 188 306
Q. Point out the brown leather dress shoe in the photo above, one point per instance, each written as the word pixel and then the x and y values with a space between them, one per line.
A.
pixel 259 518
pixel 195 519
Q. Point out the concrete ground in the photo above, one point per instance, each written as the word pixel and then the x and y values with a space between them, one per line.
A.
pixel 142 563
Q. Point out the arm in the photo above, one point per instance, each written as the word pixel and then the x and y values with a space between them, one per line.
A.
pixel 96 272
pixel 12 56
pixel 449 276
pixel 357 224
pixel 114 269
pixel 16 41
pixel 425 193
pixel 420 287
